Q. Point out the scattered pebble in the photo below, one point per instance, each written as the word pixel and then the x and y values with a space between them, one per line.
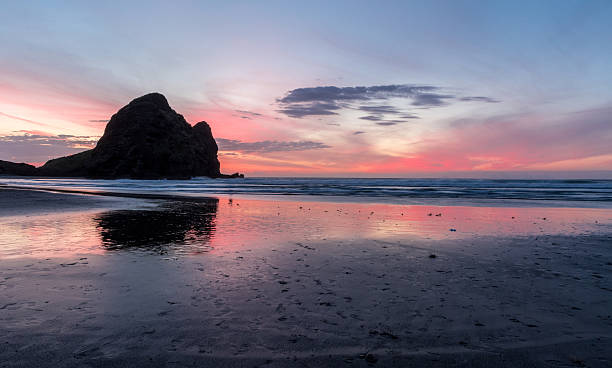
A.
pixel 368 358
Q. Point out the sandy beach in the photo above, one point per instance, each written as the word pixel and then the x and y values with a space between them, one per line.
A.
pixel 116 282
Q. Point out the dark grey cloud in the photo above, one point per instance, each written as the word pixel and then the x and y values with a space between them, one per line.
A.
pixel 309 109
pixel 379 120
pixel 98 121
pixel 268 146
pixel 431 99
pixel 39 148
pixel 375 100
pixel 379 109
pixel 371 117
pixel 358 132
pixel 335 94
pixel 247 115
pixel 409 116
pixel 479 99
pixel 390 122
pixel 247 112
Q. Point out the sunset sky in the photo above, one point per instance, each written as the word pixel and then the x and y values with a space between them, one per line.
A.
pixel 355 88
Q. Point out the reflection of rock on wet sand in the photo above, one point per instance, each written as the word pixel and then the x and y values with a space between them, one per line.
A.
pixel 185 226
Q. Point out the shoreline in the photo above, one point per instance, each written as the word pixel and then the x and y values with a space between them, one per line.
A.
pixel 110 194
pixel 20 202
pixel 399 201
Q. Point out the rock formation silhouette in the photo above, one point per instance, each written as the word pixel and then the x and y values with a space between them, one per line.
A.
pixel 146 139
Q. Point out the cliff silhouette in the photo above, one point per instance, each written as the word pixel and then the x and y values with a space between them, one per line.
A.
pixel 146 139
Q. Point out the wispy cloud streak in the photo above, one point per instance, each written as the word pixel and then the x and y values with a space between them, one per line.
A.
pixel 41 147
pixel 267 146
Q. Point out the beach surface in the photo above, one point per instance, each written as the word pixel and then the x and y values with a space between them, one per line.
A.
pixel 117 282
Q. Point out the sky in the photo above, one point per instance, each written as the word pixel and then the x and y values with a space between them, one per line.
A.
pixel 319 88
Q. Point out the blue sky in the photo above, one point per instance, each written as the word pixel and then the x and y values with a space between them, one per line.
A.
pixel 542 69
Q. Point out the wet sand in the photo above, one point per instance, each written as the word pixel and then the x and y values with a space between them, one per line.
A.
pixel 15 202
pixel 270 284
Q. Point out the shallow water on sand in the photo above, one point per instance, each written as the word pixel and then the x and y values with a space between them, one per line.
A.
pixel 181 228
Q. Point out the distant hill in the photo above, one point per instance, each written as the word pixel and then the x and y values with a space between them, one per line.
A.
pixel 12 168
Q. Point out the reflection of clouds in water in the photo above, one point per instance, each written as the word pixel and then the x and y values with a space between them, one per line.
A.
pixel 185 224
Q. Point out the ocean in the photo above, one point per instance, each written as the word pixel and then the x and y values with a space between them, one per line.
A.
pixel 572 193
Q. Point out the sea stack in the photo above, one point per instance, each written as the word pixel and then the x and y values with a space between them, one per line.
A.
pixel 146 139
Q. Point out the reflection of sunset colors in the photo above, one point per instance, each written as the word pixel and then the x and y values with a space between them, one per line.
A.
pixel 54 235
pixel 257 224
pixel 254 221
pixel 483 87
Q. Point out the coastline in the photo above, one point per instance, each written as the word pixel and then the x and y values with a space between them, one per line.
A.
pixel 27 201
pixel 280 284
pixel 399 201
pixel 441 192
